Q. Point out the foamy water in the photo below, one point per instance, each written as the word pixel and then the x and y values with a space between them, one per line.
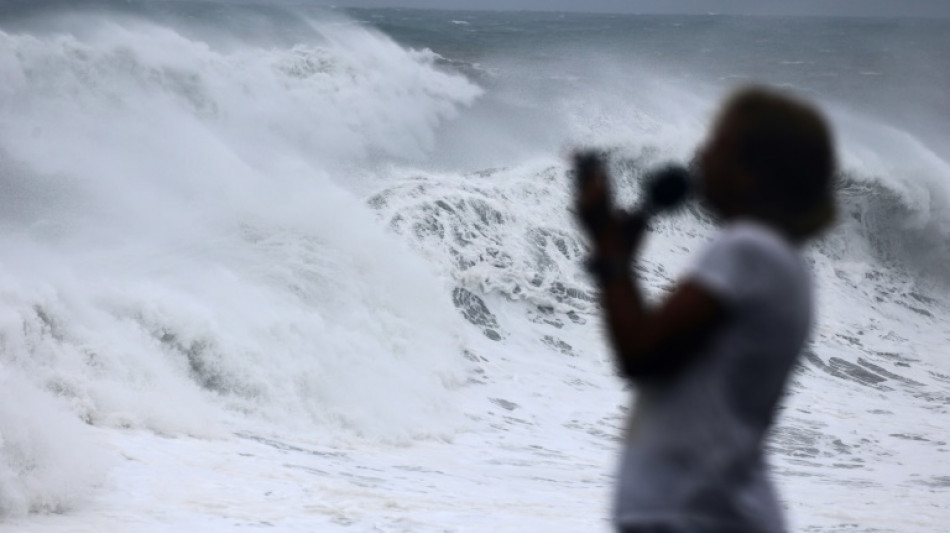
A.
pixel 328 282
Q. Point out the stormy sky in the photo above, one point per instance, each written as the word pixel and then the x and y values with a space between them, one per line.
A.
pixel 873 8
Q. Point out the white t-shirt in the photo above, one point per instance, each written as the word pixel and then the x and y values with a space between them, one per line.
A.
pixel 693 460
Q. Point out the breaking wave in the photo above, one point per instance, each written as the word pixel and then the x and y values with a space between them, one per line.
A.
pixel 189 239
pixel 179 248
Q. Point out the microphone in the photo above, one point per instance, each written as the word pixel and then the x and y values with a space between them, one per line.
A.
pixel 664 189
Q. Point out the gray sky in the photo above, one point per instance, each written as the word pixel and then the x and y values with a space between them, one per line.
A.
pixel 916 8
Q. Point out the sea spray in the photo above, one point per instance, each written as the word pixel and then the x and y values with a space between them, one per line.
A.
pixel 234 236
pixel 178 249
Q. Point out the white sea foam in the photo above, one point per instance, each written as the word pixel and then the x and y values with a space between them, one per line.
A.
pixel 175 243
pixel 204 326
pixel 48 459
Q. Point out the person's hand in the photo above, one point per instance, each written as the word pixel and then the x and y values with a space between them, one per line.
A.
pixel 613 232
pixel 593 205
pixel 633 227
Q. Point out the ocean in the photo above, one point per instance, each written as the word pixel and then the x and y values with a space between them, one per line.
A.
pixel 287 268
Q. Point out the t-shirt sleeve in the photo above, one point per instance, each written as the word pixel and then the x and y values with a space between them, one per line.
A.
pixel 741 265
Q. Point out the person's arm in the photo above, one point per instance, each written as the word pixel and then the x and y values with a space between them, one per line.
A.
pixel 646 340
pixel 657 340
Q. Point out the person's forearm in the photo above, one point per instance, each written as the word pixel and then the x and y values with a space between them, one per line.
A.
pixel 625 313
pixel 623 303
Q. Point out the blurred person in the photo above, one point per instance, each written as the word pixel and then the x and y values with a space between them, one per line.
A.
pixel 709 363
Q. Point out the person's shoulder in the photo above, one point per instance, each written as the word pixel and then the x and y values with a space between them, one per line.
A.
pixel 760 250
pixel 746 260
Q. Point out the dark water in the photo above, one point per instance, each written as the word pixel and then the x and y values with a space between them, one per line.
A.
pixel 896 69
pixel 900 67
